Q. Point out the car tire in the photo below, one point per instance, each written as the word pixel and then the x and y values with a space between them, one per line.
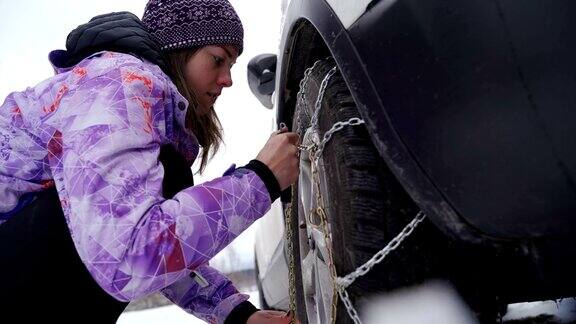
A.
pixel 365 205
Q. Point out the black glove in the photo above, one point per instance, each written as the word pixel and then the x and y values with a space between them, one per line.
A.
pixel 241 313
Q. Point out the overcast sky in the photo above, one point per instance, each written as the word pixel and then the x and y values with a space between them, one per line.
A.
pixel 30 29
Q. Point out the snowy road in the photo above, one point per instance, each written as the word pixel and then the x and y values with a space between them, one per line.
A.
pixel 547 312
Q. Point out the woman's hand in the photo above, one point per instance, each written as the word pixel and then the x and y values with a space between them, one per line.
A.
pixel 281 155
pixel 269 316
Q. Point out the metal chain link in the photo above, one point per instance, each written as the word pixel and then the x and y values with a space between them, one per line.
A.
pixel 343 282
pixel 346 281
pixel 315 156
pixel 316 150
pixel 349 306
pixel 318 103
pixel 302 93
pixel 288 212
pixel 354 121
pixel 319 211
pixel 291 269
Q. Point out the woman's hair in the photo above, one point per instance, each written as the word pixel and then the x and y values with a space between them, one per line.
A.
pixel 205 126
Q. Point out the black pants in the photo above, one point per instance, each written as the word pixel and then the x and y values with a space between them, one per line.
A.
pixel 41 274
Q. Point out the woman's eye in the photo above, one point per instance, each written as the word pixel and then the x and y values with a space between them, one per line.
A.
pixel 218 60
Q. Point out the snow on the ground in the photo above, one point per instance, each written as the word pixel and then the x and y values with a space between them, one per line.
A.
pixel 437 303
pixel 430 304
pixel 564 311
pixel 168 314
pixel 433 303
pixel 165 314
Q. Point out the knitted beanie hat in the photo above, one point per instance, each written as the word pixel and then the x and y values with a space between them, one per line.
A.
pixel 190 23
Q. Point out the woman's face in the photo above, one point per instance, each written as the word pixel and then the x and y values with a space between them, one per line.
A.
pixel 207 72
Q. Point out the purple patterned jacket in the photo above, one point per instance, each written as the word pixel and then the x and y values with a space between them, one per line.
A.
pixel 94 131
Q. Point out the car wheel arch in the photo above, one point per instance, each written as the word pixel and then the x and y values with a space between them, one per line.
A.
pixel 313 32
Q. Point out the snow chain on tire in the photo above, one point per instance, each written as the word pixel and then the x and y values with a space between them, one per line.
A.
pixel 315 150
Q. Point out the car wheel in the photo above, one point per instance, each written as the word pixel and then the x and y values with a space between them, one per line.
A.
pixel 365 207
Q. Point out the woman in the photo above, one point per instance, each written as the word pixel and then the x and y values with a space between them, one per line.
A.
pixel 97 198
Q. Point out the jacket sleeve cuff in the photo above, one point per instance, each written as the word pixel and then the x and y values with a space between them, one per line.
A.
pixel 267 177
pixel 241 313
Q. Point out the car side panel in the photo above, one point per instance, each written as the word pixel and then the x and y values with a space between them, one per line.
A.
pixel 270 257
pixel 482 93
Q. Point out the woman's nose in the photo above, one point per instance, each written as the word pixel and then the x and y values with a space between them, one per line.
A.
pixel 225 79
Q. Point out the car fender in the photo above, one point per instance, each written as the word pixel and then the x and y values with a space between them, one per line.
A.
pixel 304 16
